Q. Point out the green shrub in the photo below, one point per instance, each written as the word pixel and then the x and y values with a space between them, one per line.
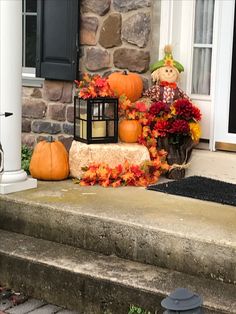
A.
pixel 26 153
pixel 137 310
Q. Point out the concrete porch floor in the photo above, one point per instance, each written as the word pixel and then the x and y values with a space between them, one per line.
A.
pixel 189 218
pixel 217 165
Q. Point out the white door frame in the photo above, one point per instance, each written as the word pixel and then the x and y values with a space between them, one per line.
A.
pixel 223 75
pixel 176 27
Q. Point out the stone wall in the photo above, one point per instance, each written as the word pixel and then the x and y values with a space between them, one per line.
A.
pixel 115 35
pixel 48 111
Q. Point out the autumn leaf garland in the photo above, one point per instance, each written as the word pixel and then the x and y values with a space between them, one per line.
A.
pixel 125 175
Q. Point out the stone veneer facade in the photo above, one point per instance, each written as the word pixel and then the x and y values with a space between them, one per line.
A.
pixel 114 35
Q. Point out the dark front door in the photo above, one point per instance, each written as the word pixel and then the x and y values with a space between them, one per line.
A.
pixel 232 108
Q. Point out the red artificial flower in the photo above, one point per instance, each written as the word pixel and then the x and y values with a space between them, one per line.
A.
pixel 158 107
pixel 196 114
pixel 162 127
pixel 141 106
pixel 186 110
pixel 179 127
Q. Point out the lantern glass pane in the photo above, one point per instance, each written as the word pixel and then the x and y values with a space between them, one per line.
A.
pixel 98 111
pixel 111 128
pixel 82 109
pixel 77 127
pixel 110 110
pixel 81 118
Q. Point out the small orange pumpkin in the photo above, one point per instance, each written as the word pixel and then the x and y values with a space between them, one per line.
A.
pixel 129 84
pixel 129 131
pixel 49 161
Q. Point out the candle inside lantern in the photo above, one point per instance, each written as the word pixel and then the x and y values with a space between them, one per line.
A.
pixel 98 127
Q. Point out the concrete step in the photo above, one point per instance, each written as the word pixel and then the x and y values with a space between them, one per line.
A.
pixel 177 233
pixel 92 283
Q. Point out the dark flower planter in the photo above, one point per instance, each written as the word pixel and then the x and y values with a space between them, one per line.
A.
pixel 178 155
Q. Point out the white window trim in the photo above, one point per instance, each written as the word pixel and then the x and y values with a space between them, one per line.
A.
pixel 29 79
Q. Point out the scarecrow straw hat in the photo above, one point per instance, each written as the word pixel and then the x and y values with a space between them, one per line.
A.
pixel 168 60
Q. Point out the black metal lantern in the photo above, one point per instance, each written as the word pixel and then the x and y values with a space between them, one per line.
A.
pixel 96 120
pixel 183 301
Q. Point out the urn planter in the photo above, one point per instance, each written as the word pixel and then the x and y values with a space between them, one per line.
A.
pixel 178 155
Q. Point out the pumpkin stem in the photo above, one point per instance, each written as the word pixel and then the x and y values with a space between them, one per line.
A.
pixel 50 139
pixel 125 72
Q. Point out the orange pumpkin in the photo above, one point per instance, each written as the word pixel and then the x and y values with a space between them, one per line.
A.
pixel 129 131
pixel 129 84
pixel 49 161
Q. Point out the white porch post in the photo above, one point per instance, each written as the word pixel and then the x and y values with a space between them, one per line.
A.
pixel 12 179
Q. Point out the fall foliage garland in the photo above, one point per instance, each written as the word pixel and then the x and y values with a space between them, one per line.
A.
pixel 125 175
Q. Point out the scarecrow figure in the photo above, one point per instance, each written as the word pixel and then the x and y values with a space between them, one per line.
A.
pixel 165 75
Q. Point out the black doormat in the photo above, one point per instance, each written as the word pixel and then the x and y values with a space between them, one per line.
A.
pixel 201 188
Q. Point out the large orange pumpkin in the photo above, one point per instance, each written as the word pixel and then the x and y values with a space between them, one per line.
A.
pixel 129 84
pixel 129 131
pixel 49 161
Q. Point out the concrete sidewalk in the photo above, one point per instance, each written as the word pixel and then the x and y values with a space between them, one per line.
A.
pixel 32 306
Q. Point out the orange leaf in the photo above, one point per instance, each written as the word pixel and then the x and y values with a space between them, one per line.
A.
pixel 105 183
pixel 128 176
pixel 116 183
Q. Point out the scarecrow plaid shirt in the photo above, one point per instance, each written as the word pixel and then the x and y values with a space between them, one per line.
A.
pixel 168 94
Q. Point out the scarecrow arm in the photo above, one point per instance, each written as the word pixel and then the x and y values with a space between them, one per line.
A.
pixel 153 93
pixel 182 94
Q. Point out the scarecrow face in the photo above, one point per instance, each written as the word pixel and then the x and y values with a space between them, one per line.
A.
pixel 168 74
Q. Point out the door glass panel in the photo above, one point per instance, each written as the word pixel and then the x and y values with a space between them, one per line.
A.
pixel 201 81
pixel 31 5
pixel 204 15
pixel 30 52
pixel 202 47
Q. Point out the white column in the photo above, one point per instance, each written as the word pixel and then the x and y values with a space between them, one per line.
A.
pixel 13 178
